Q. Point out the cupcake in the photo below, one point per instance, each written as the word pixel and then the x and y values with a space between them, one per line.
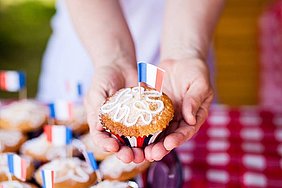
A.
pixel 114 169
pixel 24 116
pixel 10 141
pixel 136 117
pixel 115 184
pixel 4 169
pixel 16 184
pixel 41 150
pixel 69 173
pixel 99 153
pixel 78 122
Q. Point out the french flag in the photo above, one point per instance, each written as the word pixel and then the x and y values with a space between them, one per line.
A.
pixel 61 110
pixel 12 80
pixel 74 89
pixel 48 178
pixel 17 166
pixel 151 75
pixel 92 161
pixel 58 135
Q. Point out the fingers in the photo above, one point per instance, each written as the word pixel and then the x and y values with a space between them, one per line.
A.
pixel 106 142
pixel 155 152
pixel 127 154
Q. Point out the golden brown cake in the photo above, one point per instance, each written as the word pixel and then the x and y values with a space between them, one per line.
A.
pixel 69 173
pixel 114 169
pixel 24 116
pixel 78 124
pixel 136 117
pixel 98 152
pixel 4 169
pixel 41 150
pixel 10 141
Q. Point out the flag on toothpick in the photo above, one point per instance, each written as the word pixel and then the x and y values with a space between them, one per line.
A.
pixel 61 110
pixel 74 89
pixel 58 135
pixel 12 81
pixel 92 161
pixel 151 75
pixel 17 166
pixel 47 178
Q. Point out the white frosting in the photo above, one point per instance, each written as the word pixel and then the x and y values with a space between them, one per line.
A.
pixel 69 169
pixel 114 167
pixel 40 146
pixel 9 138
pixel 14 184
pixel 128 108
pixel 79 116
pixel 24 111
pixel 111 184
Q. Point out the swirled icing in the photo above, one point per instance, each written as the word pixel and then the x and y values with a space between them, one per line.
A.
pixel 9 138
pixel 24 111
pixel 111 184
pixel 69 169
pixel 128 108
pixel 14 184
pixel 114 167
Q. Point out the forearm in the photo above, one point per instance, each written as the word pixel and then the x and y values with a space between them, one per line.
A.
pixel 103 31
pixel 188 28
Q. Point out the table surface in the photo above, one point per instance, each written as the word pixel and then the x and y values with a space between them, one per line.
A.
pixel 236 147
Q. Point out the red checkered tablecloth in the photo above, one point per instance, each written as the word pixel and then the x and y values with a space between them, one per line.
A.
pixel 235 148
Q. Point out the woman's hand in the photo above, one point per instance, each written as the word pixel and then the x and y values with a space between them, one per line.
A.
pixel 107 80
pixel 187 84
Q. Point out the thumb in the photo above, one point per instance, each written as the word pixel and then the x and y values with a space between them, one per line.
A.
pixel 192 101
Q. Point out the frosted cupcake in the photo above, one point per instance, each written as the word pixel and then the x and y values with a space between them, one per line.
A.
pixel 114 169
pixel 136 117
pixel 115 184
pixel 10 141
pixel 69 173
pixel 24 116
pixel 4 169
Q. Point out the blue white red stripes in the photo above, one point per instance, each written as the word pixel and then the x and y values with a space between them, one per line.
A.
pixel 58 135
pixel 151 75
pixel 17 166
pixel 92 161
pixel 61 110
pixel 12 81
pixel 47 178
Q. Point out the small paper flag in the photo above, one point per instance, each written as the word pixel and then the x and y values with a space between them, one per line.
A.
pixel 151 75
pixel 92 161
pixel 74 89
pixel 12 80
pixel 58 135
pixel 47 178
pixel 61 110
pixel 17 166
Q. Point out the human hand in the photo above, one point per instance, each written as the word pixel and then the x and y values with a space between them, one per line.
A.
pixel 108 80
pixel 187 84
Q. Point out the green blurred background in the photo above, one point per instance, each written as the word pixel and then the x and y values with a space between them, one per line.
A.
pixel 24 32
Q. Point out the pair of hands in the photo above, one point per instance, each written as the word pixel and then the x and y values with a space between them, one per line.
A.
pixel 186 83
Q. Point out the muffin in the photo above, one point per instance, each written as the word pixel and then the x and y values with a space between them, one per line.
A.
pixel 10 141
pixel 136 117
pixel 23 115
pixel 99 153
pixel 114 169
pixel 78 122
pixel 4 169
pixel 41 150
pixel 16 184
pixel 69 173
pixel 115 184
